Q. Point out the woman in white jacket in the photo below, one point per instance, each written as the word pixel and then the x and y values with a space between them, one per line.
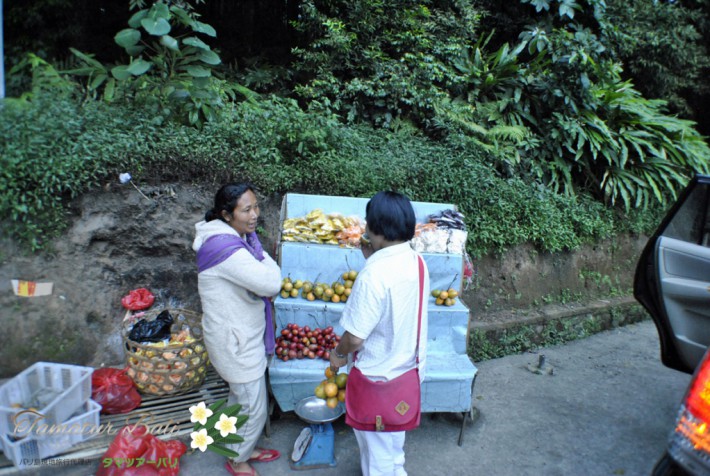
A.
pixel 236 279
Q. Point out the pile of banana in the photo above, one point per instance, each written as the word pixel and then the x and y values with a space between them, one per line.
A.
pixel 318 227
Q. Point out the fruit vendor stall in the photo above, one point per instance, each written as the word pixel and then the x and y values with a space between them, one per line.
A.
pixel 319 255
pixel 166 359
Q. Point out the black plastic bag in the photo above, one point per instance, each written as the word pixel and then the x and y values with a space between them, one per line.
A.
pixel 152 331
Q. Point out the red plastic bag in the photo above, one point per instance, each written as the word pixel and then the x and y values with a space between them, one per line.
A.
pixel 138 299
pixel 136 452
pixel 114 390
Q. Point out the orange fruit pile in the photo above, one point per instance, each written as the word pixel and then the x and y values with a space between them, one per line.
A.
pixel 338 291
pixel 332 389
pixel 445 297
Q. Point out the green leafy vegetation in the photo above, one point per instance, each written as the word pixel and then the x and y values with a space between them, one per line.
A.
pixel 56 148
pixel 520 114
pixel 171 70
pixel 580 125
pixel 661 47
pixel 548 105
pixel 529 337
pixel 53 149
pixel 374 61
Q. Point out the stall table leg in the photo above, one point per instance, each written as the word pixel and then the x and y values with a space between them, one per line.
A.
pixel 473 413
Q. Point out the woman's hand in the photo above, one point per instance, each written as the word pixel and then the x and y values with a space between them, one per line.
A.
pixel 366 246
pixel 367 250
pixel 348 343
pixel 337 362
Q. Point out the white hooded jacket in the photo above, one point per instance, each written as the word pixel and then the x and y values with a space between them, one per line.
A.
pixel 233 310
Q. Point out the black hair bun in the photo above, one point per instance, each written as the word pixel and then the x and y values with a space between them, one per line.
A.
pixel 211 215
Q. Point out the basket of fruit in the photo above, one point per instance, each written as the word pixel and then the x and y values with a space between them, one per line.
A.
pixel 165 351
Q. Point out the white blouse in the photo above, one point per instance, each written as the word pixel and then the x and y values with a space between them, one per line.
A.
pixel 382 310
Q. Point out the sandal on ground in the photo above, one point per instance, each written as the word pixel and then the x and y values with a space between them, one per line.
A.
pixel 234 472
pixel 265 455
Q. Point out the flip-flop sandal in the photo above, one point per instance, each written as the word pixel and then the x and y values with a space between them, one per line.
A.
pixel 301 445
pixel 234 472
pixel 265 455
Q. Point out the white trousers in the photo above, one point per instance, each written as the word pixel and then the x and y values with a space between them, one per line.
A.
pixel 254 399
pixel 381 453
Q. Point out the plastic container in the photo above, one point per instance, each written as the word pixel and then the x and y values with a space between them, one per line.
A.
pixel 43 442
pixel 53 391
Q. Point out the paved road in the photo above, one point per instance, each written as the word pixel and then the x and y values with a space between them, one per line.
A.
pixel 606 410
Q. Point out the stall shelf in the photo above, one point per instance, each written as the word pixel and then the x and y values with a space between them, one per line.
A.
pixel 449 375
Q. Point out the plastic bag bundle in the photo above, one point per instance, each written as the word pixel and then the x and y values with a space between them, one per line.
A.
pixel 138 299
pixel 152 331
pixel 114 390
pixel 136 452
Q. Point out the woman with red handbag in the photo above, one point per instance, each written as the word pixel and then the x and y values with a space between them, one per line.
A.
pixel 385 323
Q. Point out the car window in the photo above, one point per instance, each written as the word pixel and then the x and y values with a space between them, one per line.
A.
pixel 690 223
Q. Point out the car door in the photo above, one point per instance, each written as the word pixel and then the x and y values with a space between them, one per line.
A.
pixel 672 278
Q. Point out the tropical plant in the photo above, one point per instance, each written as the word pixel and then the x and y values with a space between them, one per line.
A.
pixel 375 61
pixel 634 151
pixel 43 78
pixel 662 48
pixel 581 126
pixel 171 70
pixel 597 131
pixel 487 104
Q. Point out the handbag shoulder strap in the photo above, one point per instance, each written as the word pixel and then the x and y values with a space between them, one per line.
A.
pixel 421 304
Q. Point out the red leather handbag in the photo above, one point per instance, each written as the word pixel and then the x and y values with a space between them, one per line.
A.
pixel 394 405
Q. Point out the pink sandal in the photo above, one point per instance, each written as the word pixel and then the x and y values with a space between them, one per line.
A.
pixel 234 472
pixel 265 455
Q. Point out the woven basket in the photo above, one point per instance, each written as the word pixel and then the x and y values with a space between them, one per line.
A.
pixel 173 368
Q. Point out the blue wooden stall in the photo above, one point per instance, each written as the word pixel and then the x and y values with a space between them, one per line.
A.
pixel 450 374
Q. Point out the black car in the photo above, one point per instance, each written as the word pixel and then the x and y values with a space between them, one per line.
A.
pixel 673 283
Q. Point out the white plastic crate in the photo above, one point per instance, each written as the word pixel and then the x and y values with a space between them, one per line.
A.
pixel 56 391
pixel 43 442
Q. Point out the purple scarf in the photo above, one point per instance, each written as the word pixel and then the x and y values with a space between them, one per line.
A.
pixel 218 248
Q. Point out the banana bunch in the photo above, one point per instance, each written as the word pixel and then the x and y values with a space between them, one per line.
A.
pixel 318 227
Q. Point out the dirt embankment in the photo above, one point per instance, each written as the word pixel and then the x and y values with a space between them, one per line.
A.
pixel 119 240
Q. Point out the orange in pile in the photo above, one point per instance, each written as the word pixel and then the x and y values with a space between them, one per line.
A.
pixel 332 389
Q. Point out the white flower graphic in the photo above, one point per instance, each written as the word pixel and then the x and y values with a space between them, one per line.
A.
pixel 200 413
pixel 226 425
pixel 200 439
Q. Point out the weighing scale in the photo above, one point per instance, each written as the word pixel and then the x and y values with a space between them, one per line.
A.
pixel 314 447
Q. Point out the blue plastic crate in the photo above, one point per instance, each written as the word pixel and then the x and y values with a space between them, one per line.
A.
pixel 27 451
